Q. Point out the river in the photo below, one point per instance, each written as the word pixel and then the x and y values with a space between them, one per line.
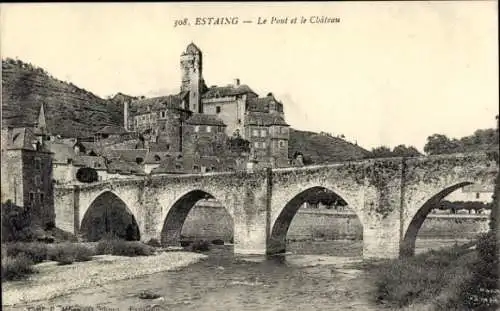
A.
pixel 313 275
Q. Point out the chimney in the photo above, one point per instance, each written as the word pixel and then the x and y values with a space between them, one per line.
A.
pixel 236 82
pixel 125 115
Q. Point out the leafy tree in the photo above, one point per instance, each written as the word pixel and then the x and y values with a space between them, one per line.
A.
pixel 381 152
pixel 441 144
pixel 403 151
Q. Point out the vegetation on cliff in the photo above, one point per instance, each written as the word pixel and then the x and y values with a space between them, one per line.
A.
pixel 70 111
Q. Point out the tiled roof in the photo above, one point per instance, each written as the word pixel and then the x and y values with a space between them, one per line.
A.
pixel 89 146
pixel 127 155
pixel 186 164
pixel 112 130
pixel 90 161
pixel 156 157
pixel 156 103
pixel 205 119
pixel 230 90
pixel 124 167
pixel 23 138
pixel 264 119
pixel 263 104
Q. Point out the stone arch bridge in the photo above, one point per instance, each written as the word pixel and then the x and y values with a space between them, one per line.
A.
pixel 390 196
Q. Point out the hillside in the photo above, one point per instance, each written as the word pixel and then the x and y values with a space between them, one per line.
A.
pixel 69 110
pixel 319 148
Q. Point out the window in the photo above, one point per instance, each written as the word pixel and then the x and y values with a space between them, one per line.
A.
pixel 38 163
pixel 217 109
pixel 255 133
pixel 256 144
pixel 163 114
pixel 178 166
pixel 139 160
pixel 477 195
pixel 263 133
pixel 41 197
pixel 196 128
pixel 32 197
pixel 282 143
pixel 196 168
pixel 212 169
pixel 37 181
pixel 239 121
pixel 157 158
pixel 209 128
pixel 263 145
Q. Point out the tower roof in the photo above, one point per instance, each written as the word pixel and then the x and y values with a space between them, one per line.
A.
pixel 192 49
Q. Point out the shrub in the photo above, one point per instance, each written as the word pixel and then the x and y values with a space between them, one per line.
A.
pixel 153 243
pixel 217 242
pixel 16 268
pixel 482 290
pixel 416 279
pixel 199 246
pixel 67 253
pixel 123 248
pixel 37 252
pixel 16 224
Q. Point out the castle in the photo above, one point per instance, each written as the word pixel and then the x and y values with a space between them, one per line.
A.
pixel 199 120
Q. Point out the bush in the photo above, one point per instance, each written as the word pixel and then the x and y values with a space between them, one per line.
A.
pixel 199 246
pixel 153 243
pixel 123 248
pixel 482 290
pixel 416 279
pixel 16 268
pixel 37 252
pixel 16 224
pixel 67 253
pixel 217 242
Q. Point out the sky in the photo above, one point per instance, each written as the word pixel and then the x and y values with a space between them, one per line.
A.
pixel 388 73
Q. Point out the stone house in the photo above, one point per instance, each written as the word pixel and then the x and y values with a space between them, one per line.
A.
pixel 27 172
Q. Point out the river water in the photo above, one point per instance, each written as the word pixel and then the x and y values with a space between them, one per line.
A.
pixel 313 275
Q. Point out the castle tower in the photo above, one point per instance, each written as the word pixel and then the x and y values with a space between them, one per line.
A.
pixel 192 76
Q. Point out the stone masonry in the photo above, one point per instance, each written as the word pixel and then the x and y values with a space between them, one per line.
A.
pixel 391 197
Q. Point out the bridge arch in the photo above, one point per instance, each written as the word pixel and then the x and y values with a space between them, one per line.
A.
pixel 290 207
pixel 407 246
pixel 108 214
pixel 178 212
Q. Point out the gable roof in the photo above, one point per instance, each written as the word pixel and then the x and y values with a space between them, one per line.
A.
pixel 156 103
pixel 230 90
pixel 124 167
pixel 264 119
pixel 23 138
pixel 205 119
pixel 263 104
pixel 98 163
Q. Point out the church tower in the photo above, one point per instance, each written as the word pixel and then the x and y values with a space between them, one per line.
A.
pixel 192 77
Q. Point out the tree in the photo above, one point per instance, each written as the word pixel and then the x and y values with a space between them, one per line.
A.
pixel 381 152
pixel 441 144
pixel 403 151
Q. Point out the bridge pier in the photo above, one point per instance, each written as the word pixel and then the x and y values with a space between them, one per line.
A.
pixel 251 220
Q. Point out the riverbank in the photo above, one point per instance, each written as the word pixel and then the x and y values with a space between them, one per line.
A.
pixel 54 280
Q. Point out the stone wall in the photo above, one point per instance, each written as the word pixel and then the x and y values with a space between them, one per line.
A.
pixel 210 223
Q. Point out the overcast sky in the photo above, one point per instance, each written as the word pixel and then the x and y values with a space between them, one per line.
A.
pixel 387 74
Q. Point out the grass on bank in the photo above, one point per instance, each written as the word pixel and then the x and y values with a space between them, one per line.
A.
pixel 18 259
pixel 444 279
